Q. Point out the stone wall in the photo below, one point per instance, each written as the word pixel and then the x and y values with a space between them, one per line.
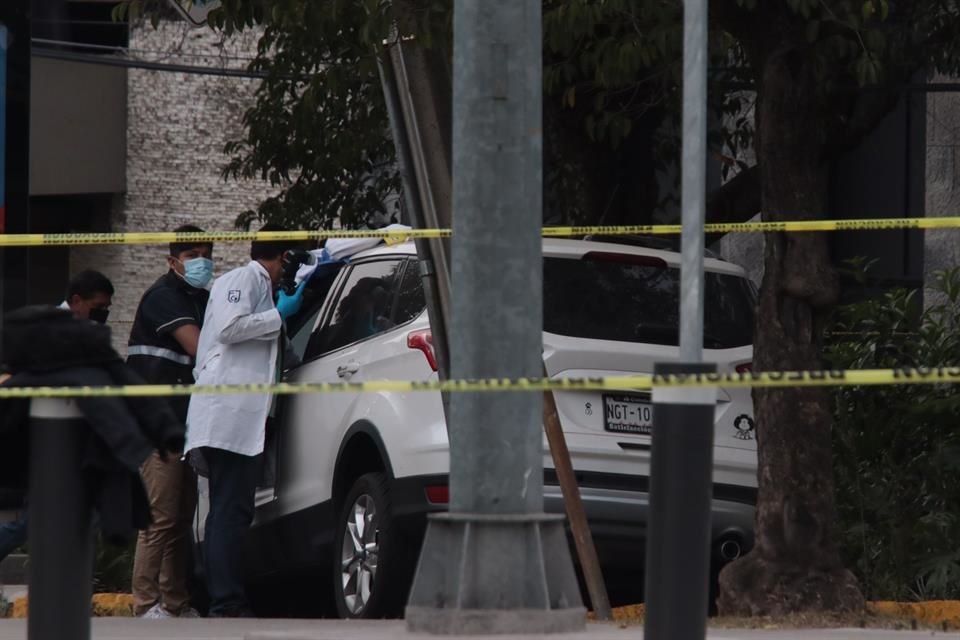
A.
pixel 942 248
pixel 177 125
pixel 745 250
pixel 933 188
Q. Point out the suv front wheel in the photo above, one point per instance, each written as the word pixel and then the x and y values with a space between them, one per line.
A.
pixel 370 564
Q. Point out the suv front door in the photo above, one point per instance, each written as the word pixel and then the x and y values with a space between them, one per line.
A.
pixel 338 348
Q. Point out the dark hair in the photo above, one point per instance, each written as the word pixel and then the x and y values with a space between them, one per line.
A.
pixel 270 249
pixel 176 248
pixel 87 284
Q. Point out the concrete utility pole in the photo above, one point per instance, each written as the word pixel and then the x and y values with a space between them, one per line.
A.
pixel 681 465
pixel 496 563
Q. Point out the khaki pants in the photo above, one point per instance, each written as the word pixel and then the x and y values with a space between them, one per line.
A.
pixel 161 567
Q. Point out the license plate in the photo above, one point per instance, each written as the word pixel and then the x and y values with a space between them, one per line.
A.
pixel 627 414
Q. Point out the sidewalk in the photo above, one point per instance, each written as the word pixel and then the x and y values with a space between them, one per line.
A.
pixel 133 629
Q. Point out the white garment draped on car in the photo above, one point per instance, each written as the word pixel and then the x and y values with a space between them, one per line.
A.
pixel 238 345
pixel 338 250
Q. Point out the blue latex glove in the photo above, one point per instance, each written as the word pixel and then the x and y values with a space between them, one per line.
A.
pixel 288 305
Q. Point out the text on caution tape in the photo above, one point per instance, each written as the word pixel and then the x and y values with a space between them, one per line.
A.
pixel 769 379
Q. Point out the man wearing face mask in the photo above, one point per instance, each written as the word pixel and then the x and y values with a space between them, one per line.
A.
pixel 89 295
pixel 163 349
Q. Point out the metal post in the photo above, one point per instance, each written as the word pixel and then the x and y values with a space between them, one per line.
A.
pixel 431 257
pixel 694 178
pixel 60 531
pixel 678 535
pixel 681 465
pixel 496 563
pixel 418 108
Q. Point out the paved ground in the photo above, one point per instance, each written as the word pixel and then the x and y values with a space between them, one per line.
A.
pixel 132 629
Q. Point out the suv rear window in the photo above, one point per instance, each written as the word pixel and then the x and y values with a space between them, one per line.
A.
pixel 629 298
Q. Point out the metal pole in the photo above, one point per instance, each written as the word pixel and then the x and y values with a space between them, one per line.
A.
pixel 60 531
pixel 694 178
pixel 418 104
pixel 681 461
pixel 496 563
pixel 428 145
pixel 409 170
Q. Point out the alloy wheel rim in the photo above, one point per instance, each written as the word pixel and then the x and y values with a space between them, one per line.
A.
pixel 359 554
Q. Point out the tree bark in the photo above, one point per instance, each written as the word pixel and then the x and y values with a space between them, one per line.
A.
pixel 794 565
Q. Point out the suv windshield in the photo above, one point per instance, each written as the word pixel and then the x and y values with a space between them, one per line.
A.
pixel 627 298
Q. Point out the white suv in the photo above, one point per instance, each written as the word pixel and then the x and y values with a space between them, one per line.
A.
pixel 352 476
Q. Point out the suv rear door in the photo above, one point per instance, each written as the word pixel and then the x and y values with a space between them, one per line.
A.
pixel 609 313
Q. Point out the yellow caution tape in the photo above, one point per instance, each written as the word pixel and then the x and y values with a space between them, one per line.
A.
pixel 398 235
pixel 166 237
pixel 762 227
pixel 769 379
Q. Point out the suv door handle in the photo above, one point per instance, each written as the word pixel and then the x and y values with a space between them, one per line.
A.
pixel 348 369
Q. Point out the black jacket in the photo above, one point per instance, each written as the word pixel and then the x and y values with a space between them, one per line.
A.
pixel 46 346
pixel 154 353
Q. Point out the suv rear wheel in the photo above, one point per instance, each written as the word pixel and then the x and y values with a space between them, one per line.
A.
pixel 371 568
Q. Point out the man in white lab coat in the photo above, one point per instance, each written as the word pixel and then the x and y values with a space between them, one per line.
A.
pixel 239 344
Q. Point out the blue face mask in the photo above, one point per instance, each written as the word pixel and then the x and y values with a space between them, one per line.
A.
pixel 198 272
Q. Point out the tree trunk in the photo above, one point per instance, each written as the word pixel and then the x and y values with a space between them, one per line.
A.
pixel 794 565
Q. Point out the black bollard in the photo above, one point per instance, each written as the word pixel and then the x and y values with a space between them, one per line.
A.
pixel 678 528
pixel 60 530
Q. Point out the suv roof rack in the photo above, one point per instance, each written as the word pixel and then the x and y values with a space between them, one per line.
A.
pixel 662 243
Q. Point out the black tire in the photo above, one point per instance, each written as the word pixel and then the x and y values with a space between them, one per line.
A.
pixel 389 582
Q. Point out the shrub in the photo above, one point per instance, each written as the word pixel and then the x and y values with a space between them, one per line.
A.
pixel 897 448
pixel 113 567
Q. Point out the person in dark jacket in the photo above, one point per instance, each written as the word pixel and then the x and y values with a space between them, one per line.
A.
pixel 162 349
pixel 44 346
pixel 88 297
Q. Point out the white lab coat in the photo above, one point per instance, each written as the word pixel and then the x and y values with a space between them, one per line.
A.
pixel 238 345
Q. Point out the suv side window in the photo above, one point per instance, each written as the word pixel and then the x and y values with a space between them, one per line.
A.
pixel 302 324
pixel 362 308
pixel 410 298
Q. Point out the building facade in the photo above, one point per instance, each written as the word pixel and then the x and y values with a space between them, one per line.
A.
pixel 177 125
pixel 120 149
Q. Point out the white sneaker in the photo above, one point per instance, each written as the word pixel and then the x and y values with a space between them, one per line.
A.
pixel 189 612
pixel 157 612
